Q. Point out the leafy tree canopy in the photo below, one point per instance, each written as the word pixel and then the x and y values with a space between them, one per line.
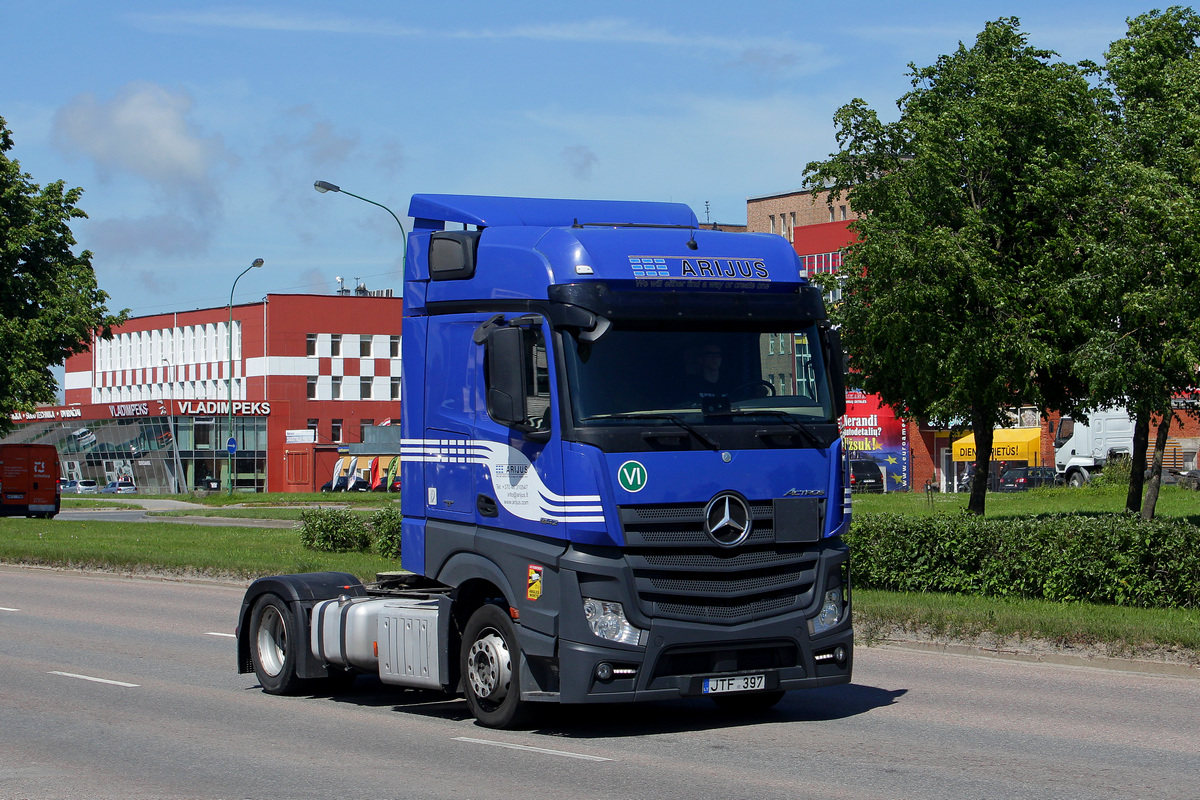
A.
pixel 1147 255
pixel 964 281
pixel 49 301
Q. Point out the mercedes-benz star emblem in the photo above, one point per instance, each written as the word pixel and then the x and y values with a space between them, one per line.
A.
pixel 727 519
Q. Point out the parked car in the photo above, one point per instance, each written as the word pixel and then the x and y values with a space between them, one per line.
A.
pixel 865 476
pixel 1189 479
pixel 1021 479
pixel 335 486
pixel 382 486
pixel 84 487
pixel 119 487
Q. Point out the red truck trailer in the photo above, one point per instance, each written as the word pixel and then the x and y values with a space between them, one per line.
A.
pixel 29 480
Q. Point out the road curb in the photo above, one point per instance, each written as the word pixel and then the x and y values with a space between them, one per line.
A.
pixel 1062 659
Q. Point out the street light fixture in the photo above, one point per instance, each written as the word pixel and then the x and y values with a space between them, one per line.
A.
pixel 326 186
pixel 258 262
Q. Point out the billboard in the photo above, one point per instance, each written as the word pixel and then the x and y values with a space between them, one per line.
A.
pixel 871 430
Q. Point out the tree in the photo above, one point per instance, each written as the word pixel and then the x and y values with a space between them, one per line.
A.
pixel 1148 235
pixel 49 301
pixel 960 289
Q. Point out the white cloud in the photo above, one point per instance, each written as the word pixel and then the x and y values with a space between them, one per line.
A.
pixel 746 50
pixel 143 130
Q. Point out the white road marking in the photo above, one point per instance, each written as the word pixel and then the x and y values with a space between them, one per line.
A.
pixel 9 609
pixel 95 680
pixel 531 749
pixel 214 633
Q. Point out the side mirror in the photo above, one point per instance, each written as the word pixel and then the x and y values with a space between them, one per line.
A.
pixel 837 370
pixel 506 376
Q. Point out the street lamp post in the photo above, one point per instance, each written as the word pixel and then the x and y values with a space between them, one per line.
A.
pixel 258 262
pixel 326 186
pixel 174 434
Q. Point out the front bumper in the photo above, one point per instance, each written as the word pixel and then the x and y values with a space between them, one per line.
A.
pixel 679 656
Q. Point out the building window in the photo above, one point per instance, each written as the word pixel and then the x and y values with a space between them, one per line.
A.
pixel 772 223
pixel 395 388
pixel 337 388
pixel 364 388
pixel 783 348
pixel 394 343
pixel 364 346
pixel 313 424
pixel 831 217
pixel 312 344
pixel 312 388
pixel 842 209
pixel 335 345
pixel 335 430
pixel 362 428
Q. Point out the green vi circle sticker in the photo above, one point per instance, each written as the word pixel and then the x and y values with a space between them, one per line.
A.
pixel 632 476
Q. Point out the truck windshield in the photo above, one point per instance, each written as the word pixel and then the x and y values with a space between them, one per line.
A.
pixel 698 375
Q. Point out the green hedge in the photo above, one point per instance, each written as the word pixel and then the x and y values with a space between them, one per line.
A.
pixel 337 530
pixel 1113 559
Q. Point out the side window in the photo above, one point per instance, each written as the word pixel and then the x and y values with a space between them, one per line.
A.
pixel 537 379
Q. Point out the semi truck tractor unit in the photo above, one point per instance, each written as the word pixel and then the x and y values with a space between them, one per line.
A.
pixel 1081 449
pixel 621 472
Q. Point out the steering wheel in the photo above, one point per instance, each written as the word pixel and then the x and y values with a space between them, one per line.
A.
pixel 748 385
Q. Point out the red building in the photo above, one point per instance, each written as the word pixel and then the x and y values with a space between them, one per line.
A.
pixel 310 374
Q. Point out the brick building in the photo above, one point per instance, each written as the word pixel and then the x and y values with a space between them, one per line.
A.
pixel 310 374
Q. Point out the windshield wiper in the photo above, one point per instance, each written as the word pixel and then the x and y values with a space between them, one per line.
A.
pixel 789 419
pixel 708 440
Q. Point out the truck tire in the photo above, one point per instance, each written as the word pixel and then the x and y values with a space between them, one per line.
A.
pixel 272 643
pixel 490 665
pixel 1078 479
pixel 748 703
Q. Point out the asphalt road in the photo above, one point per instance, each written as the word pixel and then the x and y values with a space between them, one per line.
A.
pixel 126 688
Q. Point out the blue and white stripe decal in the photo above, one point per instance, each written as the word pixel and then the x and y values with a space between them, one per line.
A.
pixel 517 485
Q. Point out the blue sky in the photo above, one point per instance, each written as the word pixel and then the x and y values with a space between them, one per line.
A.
pixel 197 129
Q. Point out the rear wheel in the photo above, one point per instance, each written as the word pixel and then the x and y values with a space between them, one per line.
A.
pixel 749 703
pixel 490 662
pixel 272 646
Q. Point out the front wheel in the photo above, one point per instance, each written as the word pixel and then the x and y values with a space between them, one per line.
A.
pixel 1078 479
pixel 272 646
pixel 490 663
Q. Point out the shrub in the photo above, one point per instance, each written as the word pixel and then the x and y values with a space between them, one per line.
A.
pixel 1115 559
pixel 385 524
pixel 1116 472
pixel 333 530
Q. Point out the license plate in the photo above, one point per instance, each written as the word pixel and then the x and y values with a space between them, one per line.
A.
pixel 738 683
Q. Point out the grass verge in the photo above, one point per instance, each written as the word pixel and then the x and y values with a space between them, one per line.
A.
pixel 1115 631
pixel 175 549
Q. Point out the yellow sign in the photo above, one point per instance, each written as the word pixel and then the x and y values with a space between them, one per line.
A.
pixel 534 590
pixel 1008 444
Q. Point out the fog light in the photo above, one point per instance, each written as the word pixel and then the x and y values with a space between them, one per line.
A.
pixel 830 614
pixel 839 654
pixel 607 620
pixel 604 671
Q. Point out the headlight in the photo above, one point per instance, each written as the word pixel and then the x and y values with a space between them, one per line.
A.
pixel 607 620
pixel 831 612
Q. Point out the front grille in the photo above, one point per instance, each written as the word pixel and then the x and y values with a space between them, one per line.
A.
pixel 680 573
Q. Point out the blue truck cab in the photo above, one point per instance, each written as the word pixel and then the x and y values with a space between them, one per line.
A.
pixel 622 475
